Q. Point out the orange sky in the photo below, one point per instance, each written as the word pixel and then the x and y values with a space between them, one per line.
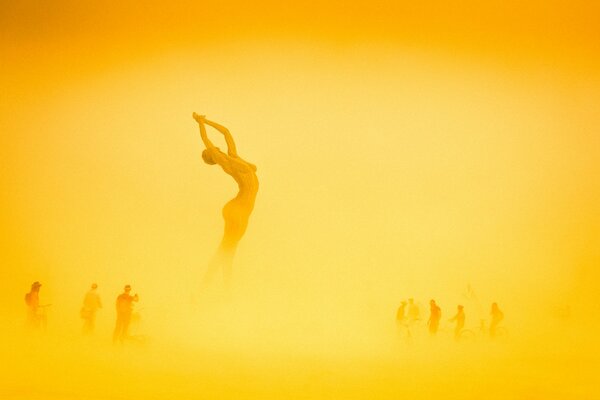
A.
pixel 546 31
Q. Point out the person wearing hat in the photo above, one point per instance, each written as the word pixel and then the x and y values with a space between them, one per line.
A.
pixel 91 304
pixel 124 311
pixel 32 299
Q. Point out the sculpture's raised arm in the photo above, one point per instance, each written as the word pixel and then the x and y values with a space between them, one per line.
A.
pixel 231 150
pixel 201 120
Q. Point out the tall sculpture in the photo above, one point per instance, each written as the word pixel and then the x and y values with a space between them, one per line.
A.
pixel 237 210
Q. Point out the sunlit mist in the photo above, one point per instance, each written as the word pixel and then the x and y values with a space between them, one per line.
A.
pixel 427 223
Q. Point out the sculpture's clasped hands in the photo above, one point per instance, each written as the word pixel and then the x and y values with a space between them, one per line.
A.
pixel 199 118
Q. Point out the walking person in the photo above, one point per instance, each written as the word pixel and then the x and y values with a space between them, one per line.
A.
pixel 434 317
pixel 413 310
pixel 91 304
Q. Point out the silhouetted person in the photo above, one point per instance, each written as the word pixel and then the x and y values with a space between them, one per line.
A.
pixel 124 311
pixel 413 311
pixel 435 314
pixel 497 316
pixel 401 313
pixel 91 304
pixel 460 321
pixel 32 299
pixel 403 323
pixel 237 211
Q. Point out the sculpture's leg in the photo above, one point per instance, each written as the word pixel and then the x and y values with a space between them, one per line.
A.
pixel 222 259
pixel 213 266
pixel 228 267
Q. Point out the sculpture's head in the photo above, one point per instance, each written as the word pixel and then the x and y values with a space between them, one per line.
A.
pixel 207 157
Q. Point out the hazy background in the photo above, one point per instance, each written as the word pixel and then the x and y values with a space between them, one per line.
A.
pixel 403 151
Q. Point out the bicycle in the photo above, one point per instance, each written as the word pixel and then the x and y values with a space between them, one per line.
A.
pixel 406 328
pixel 471 335
pixel 136 338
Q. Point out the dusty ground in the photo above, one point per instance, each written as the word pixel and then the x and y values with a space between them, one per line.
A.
pixel 56 366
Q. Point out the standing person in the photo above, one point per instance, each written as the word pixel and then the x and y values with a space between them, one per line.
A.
pixel 401 313
pixel 124 311
pixel 460 321
pixel 91 304
pixel 32 299
pixel 236 212
pixel 413 310
pixel 497 316
pixel 434 317
pixel 402 324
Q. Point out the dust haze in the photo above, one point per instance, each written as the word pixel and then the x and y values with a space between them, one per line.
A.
pixel 387 173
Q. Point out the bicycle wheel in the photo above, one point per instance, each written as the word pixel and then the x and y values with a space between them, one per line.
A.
pixel 501 333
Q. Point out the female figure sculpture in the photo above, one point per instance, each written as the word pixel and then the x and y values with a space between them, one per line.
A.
pixel 237 210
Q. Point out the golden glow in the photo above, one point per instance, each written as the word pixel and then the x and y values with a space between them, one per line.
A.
pixel 405 150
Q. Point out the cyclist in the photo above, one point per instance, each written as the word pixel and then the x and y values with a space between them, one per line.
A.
pixel 460 321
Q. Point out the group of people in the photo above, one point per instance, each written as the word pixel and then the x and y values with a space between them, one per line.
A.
pixel 36 316
pixel 236 214
pixel 408 313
